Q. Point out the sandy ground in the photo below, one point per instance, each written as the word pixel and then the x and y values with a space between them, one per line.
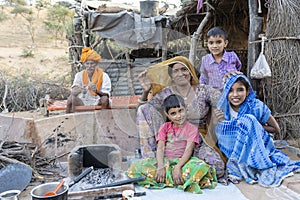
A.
pixel 50 58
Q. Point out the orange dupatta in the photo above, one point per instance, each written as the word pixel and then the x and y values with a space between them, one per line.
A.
pixel 97 79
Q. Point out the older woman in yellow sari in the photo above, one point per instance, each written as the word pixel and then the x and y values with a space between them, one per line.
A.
pixel 178 76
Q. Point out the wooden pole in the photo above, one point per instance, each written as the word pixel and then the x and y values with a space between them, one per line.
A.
pixel 195 38
pixel 129 78
pixel 164 48
pixel 75 45
pixel 255 29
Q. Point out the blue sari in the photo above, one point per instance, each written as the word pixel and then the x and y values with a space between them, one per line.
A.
pixel 248 146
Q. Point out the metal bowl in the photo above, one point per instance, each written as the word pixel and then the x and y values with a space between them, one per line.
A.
pixel 38 191
pixel 10 195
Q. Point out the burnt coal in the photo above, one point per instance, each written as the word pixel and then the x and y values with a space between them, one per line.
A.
pixel 98 177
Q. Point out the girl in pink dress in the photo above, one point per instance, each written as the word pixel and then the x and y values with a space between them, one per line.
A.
pixel 174 165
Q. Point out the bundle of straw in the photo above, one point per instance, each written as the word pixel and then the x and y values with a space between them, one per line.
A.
pixel 282 91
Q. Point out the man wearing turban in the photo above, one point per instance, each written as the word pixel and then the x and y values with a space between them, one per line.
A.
pixel 92 85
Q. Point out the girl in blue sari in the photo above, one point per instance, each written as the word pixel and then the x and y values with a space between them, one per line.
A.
pixel 243 132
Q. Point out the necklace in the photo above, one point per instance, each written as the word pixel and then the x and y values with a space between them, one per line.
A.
pixel 178 132
pixel 184 96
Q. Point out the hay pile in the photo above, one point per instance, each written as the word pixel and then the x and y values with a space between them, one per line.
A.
pixel 282 91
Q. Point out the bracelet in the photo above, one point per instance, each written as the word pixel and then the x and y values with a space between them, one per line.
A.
pixel 140 101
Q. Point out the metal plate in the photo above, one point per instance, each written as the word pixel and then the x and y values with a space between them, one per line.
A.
pixel 14 177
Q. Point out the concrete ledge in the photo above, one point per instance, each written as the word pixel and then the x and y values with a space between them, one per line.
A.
pixel 60 134
pixel 14 128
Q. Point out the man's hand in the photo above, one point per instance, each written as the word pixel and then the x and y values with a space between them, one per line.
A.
pixel 92 87
pixel 76 91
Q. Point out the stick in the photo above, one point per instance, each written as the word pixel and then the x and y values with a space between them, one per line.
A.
pixel 133 180
pixel 109 196
pixel 277 38
pixel 3 100
pixel 287 115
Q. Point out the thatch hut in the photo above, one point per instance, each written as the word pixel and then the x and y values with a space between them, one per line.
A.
pixel 245 21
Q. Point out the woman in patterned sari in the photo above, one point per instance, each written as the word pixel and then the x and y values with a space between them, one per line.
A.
pixel 177 76
pixel 243 132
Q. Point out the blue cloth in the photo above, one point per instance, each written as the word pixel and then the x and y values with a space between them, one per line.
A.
pixel 248 146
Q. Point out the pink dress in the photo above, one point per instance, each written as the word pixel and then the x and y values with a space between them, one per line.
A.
pixel 176 138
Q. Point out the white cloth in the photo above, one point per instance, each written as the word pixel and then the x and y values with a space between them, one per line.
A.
pixel 87 98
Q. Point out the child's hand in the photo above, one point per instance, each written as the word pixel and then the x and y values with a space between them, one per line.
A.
pixel 177 175
pixel 160 175
pixel 219 114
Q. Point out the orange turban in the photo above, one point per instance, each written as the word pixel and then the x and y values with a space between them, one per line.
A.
pixel 89 54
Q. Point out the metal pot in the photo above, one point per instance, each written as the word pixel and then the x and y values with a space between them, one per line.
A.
pixel 10 195
pixel 62 194
pixel 38 192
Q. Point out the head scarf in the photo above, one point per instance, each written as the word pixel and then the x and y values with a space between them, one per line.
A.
pixel 159 77
pixel 223 102
pixel 89 54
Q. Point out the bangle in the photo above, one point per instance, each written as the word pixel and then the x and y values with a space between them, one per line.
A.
pixel 140 101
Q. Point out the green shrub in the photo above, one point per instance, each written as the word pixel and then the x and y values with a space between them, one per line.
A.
pixel 27 52
pixel 59 21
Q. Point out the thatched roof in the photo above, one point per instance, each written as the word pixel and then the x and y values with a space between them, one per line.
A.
pixel 232 15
